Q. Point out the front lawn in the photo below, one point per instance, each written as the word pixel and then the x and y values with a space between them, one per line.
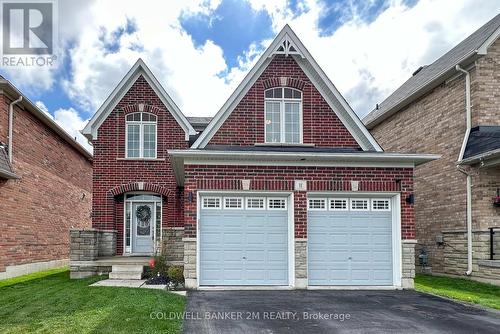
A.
pixel 56 304
pixel 460 289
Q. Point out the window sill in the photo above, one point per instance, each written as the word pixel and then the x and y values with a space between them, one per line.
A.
pixel 140 159
pixel 284 145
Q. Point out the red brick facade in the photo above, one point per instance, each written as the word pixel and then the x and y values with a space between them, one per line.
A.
pixel 270 178
pixel 245 125
pixel 114 175
pixel 51 196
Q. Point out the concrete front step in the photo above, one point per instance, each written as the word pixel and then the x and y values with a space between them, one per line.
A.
pixel 126 272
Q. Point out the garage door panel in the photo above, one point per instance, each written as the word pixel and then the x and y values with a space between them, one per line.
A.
pixel 350 247
pixel 243 247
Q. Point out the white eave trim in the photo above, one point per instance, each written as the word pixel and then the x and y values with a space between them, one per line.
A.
pixel 360 133
pixel 304 157
pixel 179 158
pixel 483 158
pixel 139 68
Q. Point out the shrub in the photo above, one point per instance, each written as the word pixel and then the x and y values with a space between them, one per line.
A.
pixel 175 273
pixel 160 266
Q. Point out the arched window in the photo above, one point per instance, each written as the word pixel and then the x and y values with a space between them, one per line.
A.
pixel 140 135
pixel 283 110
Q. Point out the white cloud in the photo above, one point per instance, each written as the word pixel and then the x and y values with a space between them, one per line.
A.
pixel 366 61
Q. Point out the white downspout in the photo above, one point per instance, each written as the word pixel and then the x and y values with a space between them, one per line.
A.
pixel 11 118
pixel 468 176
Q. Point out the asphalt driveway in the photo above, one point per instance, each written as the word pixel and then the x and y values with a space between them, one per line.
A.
pixel 332 312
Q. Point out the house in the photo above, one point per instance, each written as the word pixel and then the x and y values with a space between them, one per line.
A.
pixel 283 187
pixel 45 186
pixel 451 108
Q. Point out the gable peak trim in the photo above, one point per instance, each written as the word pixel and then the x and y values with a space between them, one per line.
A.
pixel 318 78
pixel 138 69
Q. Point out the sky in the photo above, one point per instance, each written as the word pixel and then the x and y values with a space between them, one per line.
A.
pixel 200 50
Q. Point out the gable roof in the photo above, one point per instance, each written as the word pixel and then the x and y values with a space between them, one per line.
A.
pixel 287 43
pixel 5 167
pixel 483 145
pixel 8 88
pixel 430 76
pixel 139 69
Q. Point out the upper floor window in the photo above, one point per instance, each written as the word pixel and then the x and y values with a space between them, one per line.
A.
pixel 283 109
pixel 140 135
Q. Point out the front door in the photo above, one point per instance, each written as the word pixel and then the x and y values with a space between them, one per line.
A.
pixel 142 225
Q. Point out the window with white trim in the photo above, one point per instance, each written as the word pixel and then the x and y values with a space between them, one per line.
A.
pixel 283 113
pixel 381 205
pixel 211 203
pixel 233 203
pixel 316 204
pixel 255 203
pixel 140 131
pixel 358 204
pixel 276 203
pixel 338 204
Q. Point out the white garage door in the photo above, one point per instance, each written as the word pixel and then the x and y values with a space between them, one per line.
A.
pixel 243 240
pixel 350 241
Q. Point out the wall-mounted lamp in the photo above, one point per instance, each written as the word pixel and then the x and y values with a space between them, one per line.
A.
pixel 190 197
pixel 410 199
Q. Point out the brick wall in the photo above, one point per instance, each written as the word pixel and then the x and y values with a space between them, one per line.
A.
pixel 52 195
pixel 209 177
pixel 436 124
pixel 112 171
pixel 245 125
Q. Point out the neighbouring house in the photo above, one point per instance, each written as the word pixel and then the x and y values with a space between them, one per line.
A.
pixel 451 108
pixel 45 186
pixel 284 187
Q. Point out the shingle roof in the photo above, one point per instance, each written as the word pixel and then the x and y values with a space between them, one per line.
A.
pixel 482 139
pixel 5 167
pixel 428 75
pixel 199 123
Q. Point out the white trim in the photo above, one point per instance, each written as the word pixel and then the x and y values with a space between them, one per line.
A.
pixel 263 199
pixel 346 201
pixel 352 208
pixel 325 203
pixel 396 237
pixel 282 101
pixel 289 203
pixel 483 48
pixel 268 207
pixel 218 207
pixel 353 287
pixel 138 69
pixel 389 206
pixel 358 130
pixel 141 125
pixel 129 251
pixel 237 198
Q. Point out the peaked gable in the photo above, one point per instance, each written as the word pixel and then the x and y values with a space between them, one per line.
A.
pixel 287 44
pixel 320 126
pixel 139 69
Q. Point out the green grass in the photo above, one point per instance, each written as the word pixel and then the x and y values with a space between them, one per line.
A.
pixel 29 277
pixel 50 302
pixel 460 289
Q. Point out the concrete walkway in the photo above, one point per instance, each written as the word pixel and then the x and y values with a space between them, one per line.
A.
pixel 134 283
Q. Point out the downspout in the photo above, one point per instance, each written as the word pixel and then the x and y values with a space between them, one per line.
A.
pixel 467 174
pixel 11 118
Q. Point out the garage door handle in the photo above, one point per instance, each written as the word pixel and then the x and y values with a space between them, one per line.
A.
pixel 349 258
pixel 244 258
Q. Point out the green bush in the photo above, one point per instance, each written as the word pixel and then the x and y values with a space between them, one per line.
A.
pixel 160 266
pixel 175 273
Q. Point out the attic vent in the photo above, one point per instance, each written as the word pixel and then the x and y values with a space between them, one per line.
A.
pixel 286 47
pixel 418 70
